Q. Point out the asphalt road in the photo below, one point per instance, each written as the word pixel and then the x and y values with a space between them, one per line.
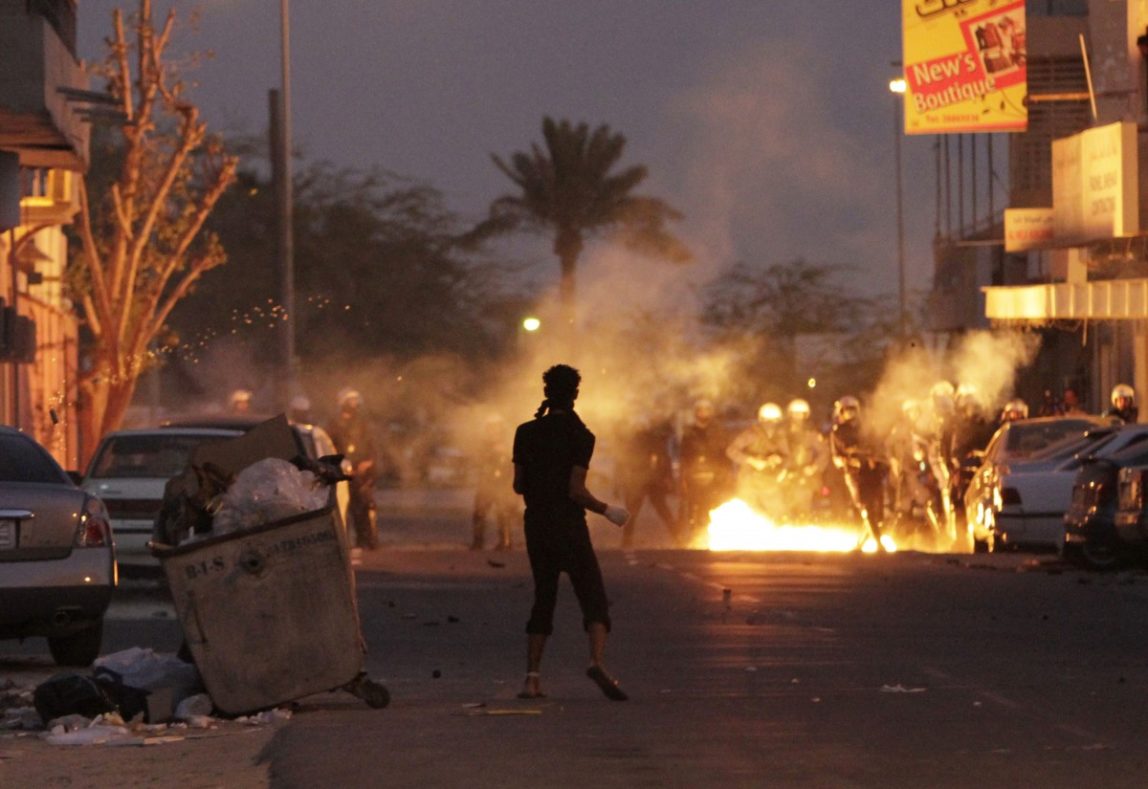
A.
pixel 846 670
pixel 905 670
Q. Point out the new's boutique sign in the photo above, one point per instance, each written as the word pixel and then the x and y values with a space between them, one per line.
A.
pixel 965 66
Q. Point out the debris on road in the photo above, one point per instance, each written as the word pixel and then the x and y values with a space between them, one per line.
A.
pixel 899 688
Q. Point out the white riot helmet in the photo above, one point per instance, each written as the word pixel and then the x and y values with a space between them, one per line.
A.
pixel 1123 392
pixel 967 399
pixel 239 401
pixel 846 409
pixel 769 414
pixel 943 395
pixel 798 410
pixel 1014 409
pixel 349 398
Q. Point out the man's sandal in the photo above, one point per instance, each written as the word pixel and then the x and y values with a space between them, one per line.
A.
pixel 526 694
pixel 608 684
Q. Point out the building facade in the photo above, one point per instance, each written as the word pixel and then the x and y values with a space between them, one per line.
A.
pixel 43 153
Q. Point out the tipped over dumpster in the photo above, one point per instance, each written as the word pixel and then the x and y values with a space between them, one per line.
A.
pixel 258 562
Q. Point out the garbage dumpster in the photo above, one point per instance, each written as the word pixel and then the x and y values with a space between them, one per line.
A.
pixel 268 612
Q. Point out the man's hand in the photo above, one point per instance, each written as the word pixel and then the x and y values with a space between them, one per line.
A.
pixel 757 464
pixel 617 515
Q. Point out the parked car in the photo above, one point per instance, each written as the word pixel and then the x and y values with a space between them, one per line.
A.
pixel 57 558
pixel 1090 538
pixel 128 473
pixel 1132 511
pixel 1039 444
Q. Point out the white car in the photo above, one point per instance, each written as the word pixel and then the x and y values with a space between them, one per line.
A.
pixel 128 473
pixel 1029 500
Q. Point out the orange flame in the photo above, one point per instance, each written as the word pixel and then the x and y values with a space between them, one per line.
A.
pixel 735 526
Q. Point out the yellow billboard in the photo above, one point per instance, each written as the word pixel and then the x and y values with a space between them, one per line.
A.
pixel 965 66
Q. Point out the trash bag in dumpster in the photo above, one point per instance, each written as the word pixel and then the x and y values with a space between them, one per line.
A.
pixel 268 491
pixel 269 611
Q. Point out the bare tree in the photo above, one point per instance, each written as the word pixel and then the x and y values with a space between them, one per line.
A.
pixel 143 245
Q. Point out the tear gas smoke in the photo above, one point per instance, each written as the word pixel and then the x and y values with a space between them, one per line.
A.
pixel 984 363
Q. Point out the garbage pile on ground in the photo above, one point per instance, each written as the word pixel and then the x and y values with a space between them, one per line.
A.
pixel 133 697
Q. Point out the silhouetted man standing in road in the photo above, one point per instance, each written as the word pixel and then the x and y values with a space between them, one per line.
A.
pixel 551 458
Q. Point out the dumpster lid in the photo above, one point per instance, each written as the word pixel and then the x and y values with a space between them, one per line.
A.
pixel 273 438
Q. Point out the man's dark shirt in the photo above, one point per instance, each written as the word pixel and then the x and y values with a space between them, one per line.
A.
pixel 547 449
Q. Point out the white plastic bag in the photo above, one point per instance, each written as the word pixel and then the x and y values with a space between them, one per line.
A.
pixel 146 669
pixel 268 491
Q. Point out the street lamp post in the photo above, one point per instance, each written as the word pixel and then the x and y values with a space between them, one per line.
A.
pixel 286 209
pixel 897 88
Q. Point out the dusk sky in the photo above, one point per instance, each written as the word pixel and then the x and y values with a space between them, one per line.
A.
pixel 769 124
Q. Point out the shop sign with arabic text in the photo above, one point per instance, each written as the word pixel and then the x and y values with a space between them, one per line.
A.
pixel 965 66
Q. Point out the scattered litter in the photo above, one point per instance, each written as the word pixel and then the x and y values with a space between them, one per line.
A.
pixel 21 718
pixel 94 734
pixel 751 668
pixel 494 563
pixel 453 619
pixel 277 715
pixel 976 704
pixel 471 705
pixel 436 674
pixel 194 707
pixel 816 699
pixel 899 688
pixel 512 711
pixel 795 681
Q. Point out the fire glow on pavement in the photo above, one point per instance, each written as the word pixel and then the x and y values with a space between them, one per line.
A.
pixel 735 526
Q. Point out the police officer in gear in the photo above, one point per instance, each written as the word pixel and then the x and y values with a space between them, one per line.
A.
pixel 905 449
pixel 494 499
pixel 760 453
pixel 1123 404
pixel 1013 410
pixel 705 471
pixel 863 468
pixel 807 458
pixel 351 435
pixel 239 401
pixel 645 471
pixel 939 454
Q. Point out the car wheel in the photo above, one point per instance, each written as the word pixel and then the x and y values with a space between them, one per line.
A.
pixel 980 546
pixel 78 649
pixel 1100 556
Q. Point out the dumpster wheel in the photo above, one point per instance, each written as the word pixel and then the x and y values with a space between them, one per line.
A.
pixel 374 693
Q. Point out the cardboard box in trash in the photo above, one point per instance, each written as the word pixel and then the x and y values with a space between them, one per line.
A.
pixel 269 612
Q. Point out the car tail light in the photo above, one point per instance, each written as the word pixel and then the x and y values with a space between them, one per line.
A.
pixel 94 530
pixel 1010 496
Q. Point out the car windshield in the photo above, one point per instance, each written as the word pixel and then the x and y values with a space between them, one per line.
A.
pixel 22 460
pixel 156 455
pixel 1025 438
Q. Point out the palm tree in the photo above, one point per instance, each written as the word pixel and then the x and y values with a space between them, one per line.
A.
pixel 567 189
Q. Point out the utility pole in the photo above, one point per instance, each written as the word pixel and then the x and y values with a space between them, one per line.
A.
pixel 286 205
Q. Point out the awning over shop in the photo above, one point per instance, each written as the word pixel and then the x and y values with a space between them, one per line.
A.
pixel 1116 299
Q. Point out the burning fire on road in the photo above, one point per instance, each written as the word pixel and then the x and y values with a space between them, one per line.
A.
pixel 735 526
